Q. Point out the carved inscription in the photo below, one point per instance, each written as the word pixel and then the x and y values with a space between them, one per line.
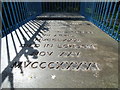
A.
pixel 77 46
pixel 75 66
pixel 77 32
pixel 67 45
pixel 59 35
pixel 57 40
pixel 69 54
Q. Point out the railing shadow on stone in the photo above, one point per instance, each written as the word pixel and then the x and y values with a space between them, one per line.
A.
pixel 30 27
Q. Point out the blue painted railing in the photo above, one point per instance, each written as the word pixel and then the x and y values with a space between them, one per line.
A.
pixel 105 15
pixel 15 14
pixel 60 6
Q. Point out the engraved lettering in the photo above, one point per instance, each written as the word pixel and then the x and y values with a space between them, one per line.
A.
pixel 26 65
pixel 42 64
pixel 48 45
pixel 32 65
pixel 50 66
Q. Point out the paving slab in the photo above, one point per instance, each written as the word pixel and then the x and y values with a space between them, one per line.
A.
pixel 59 54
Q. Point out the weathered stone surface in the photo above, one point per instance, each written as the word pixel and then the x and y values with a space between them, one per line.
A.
pixel 80 42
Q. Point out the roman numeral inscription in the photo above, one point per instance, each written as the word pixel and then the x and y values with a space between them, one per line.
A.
pixel 75 66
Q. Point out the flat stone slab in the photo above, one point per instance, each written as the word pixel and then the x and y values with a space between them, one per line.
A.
pixel 60 16
pixel 59 54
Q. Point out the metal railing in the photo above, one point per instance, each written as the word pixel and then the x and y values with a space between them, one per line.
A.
pixel 15 14
pixel 105 15
pixel 60 7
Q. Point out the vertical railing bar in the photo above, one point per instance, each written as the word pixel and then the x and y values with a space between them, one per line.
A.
pixel 109 14
pixel 64 6
pixel 49 6
pixel 58 6
pixel 94 13
pixel 9 14
pixel 87 12
pixel 43 7
pixel 55 5
pixel 23 10
pixel 52 6
pixel 78 6
pixel 61 6
pixel 93 10
pixel 115 20
pixel 46 6
pixel 112 17
pixel 117 33
pixel 85 9
pixel 16 13
pixel 75 6
pixel 99 11
pixel 13 13
pixel 90 10
pixel 26 9
pixel 6 15
pixel 72 7
pixel 103 11
pixel 107 7
pixel 68 6
pixel 5 29
pixel 9 26
pixel 80 12
pixel 21 13
pixel 20 20
pixel 72 4
pixel 96 3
